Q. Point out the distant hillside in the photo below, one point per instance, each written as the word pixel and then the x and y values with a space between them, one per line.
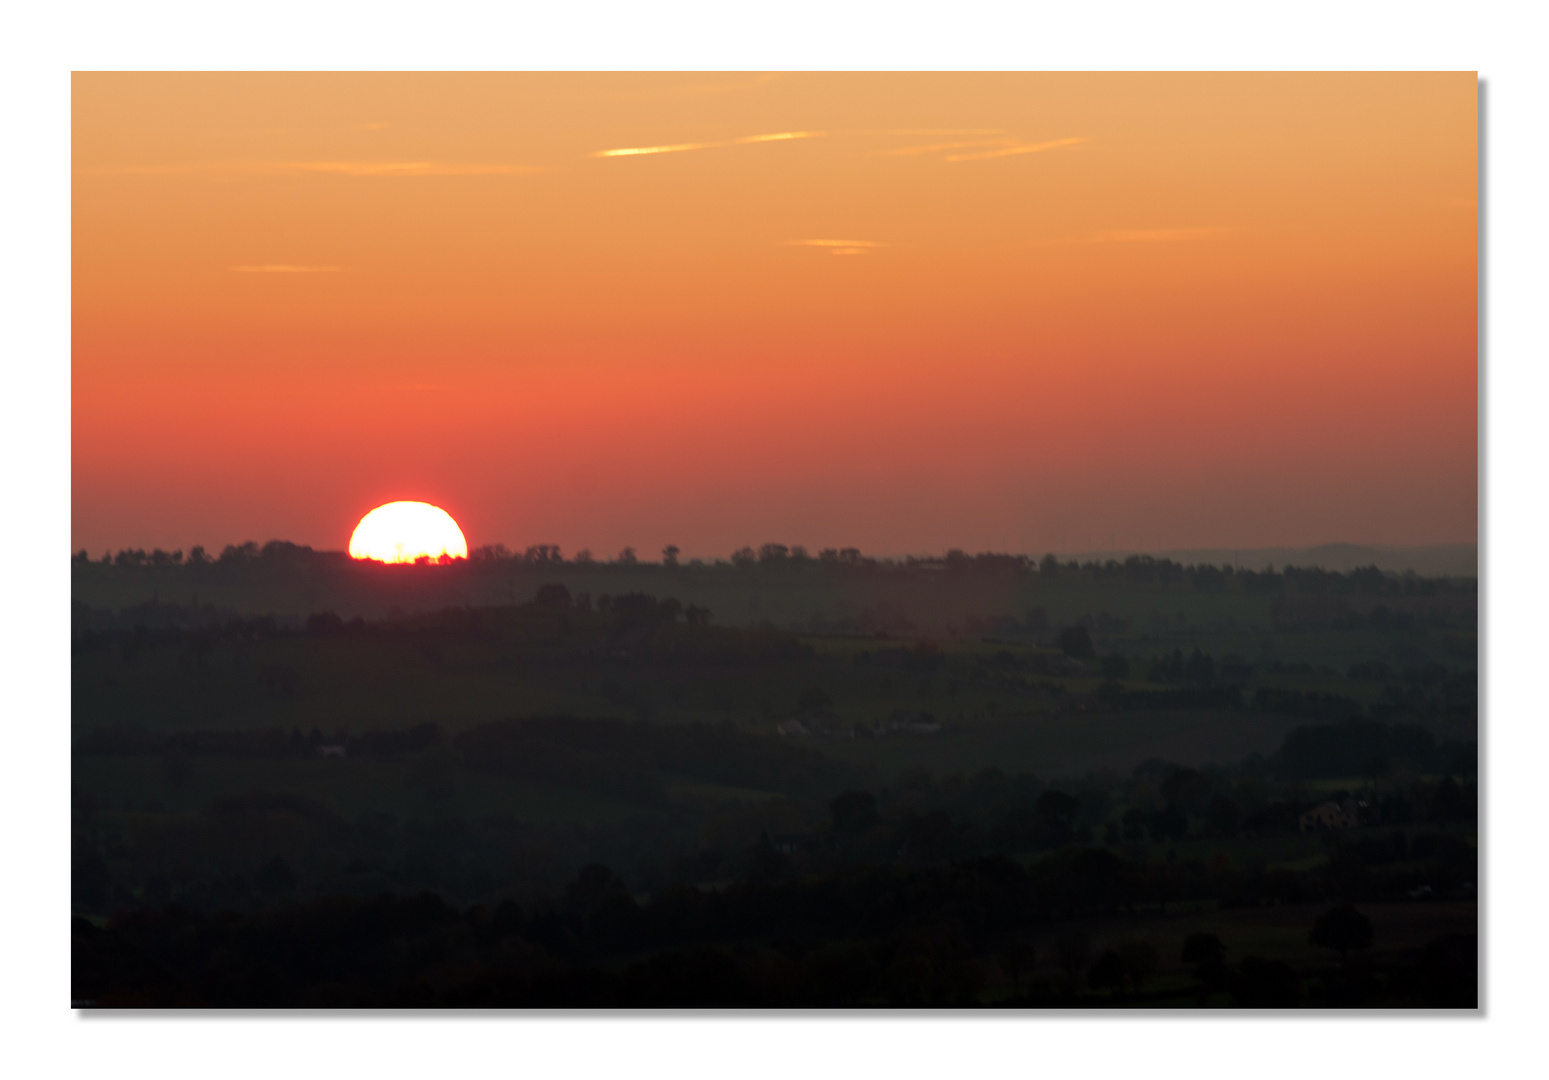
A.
pixel 1431 560
pixel 838 592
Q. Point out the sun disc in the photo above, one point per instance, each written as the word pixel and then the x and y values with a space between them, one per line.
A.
pixel 403 532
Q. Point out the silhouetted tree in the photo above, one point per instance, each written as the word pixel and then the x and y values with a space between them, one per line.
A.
pixel 1114 667
pixel 1266 984
pixel 1447 975
pixel 768 864
pixel 1017 958
pixel 908 981
pixel 1140 960
pixel 853 811
pixel 813 701
pixel 275 877
pixel 323 624
pixel 1058 806
pixel 1201 668
pixel 1342 928
pixel 1168 823
pixel 1073 949
pixel 1074 641
pixel 593 886
pixel 1447 802
pixel 1186 789
pixel 670 555
pixel 1223 815
pixel 838 974
pixel 1202 949
pixel 1208 956
pixel 1107 973
pixel 552 595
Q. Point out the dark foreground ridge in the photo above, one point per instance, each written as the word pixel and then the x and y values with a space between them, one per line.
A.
pixel 1081 928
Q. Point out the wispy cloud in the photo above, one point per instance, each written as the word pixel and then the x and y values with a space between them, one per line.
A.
pixel 840 247
pixel 1021 148
pixel 335 168
pixel 283 268
pixel 635 151
pixel 674 148
pixel 929 131
pixel 1157 236
pixel 404 168
pixel 781 136
pixel 936 148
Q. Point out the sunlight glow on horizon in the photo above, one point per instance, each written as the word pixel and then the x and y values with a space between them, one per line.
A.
pixel 402 532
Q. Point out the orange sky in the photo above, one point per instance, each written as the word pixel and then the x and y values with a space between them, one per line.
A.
pixel 990 311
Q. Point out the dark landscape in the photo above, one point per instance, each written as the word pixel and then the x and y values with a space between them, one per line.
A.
pixel 776 779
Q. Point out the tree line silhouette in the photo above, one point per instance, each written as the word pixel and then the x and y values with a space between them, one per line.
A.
pixel 1139 569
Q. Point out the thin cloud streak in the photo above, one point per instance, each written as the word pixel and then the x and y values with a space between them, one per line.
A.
pixel 840 247
pixel 281 268
pixel 909 151
pixel 837 243
pixel 335 168
pixel 1157 236
pixel 635 151
pixel 922 131
pixel 1030 148
pixel 781 136
pixel 405 168
pixel 675 148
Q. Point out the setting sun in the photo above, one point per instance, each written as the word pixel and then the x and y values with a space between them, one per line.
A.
pixel 401 532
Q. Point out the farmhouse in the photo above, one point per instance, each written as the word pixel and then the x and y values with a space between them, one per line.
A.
pixel 1331 815
pixel 1066 665
pixel 906 723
